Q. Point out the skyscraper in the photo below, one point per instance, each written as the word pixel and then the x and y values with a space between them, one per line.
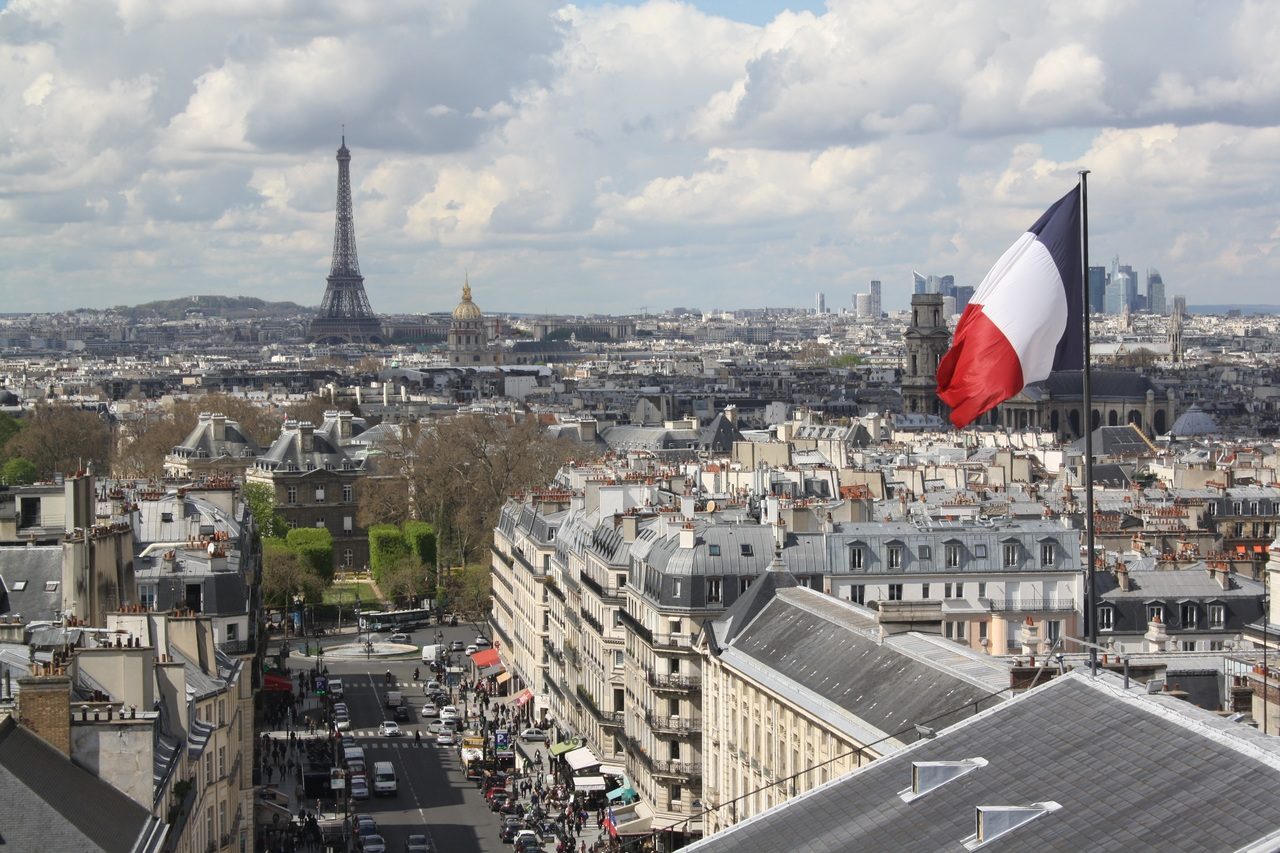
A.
pixel 1097 289
pixel 918 283
pixel 1130 287
pixel 963 294
pixel 821 302
pixel 1116 287
pixel 862 305
pixel 1155 292
pixel 875 298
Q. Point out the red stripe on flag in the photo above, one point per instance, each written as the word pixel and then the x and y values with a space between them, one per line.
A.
pixel 980 371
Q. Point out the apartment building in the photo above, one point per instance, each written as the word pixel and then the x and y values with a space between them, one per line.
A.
pixel 216 446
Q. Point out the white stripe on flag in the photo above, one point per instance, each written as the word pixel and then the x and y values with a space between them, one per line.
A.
pixel 1031 314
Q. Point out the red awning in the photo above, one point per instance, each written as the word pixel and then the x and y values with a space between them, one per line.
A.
pixel 525 696
pixel 485 657
pixel 1258 549
pixel 1240 549
pixel 277 683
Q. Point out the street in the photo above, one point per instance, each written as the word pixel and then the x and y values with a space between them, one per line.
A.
pixel 434 796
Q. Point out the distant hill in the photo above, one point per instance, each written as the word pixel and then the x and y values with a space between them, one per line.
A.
pixel 1243 309
pixel 229 307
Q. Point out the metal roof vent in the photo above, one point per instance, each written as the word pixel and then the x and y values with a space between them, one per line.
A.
pixel 992 822
pixel 927 775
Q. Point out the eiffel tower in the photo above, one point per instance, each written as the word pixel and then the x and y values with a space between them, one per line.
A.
pixel 345 315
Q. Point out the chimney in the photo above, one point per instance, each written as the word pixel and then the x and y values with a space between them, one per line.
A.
pixel 688 506
pixel 1029 637
pixel 306 436
pixel 1157 637
pixel 1122 577
pixel 344 424
pixel 780 534
pixel 1222 575
pixel 219 421
pixel 688 536
pixel 731 414
pixel 630 527
pixel 386 394
pixel 44 707
pixel 587 430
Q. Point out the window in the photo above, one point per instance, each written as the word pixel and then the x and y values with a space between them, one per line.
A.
pixel 291 524
pixel 233 631
pixel 1189 645
pixel 713 591
pixel 1011 554
pixel 924 591
pixel 855 557
pixel 1236 507
pixel 147 596
pixel 1217 646
pixel 347 494
pixel 926 553
pixel 982 590
pixel 956 630
pixel 980 551
pixel 1047 554
pixel 1106 619
pixel 1210 509
pixel 619 660
pixel 675 587
pixel 744 584
pixel 713 550
pixel 348 523
pixel 51 586
pixel 895 592
pixel 291 495
pixel 617 618
pixel 1217 616
pixel 319 494
pixel 1188 614
pixel 1253 508
pixel 982 630
pixel 894 556
pixel 348 558
pixel 674 751
pixel 222 761
pixel 19 586
pixel 676 793
pixel 745 549
pixel 320 522
pixel 1055 630
pixel 858 594
pixel 1154 612
pixel 953 590
pixel 1239 529
pixel 622 580
pixel 952 554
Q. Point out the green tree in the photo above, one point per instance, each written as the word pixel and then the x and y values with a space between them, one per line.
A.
pixel 404 581
pixel 262 506
pixel 9 427
pixel 285 574
pixel 314 546
pixel 62 440
pixel 387 546
pixel 468 591
pixel 18 472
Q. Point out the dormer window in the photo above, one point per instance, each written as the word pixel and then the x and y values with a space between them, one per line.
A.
pixel 1106 618
pixel 1217 616
pixel 1154 612
pixel 713 550
pixel 1189 614
pixel 1048 553
pixel 893 556
pixel 1010 554
pixel 745 549
pixel 952 555
pixel 855 557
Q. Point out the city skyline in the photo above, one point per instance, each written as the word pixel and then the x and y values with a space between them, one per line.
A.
pixel 623 156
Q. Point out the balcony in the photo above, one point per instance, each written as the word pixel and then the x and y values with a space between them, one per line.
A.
pixel 237 647
pixel 1032 604
pixel 689 771
pixel 673 642
pixel 529 567
pixel 571 652
pixel 634 625
pixel 672 725
pixel 503 558
pixel 604 718
pixel 601 593
pixel 672 681
pixel 593 622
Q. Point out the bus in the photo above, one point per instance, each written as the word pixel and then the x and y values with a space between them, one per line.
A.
pixel 390 621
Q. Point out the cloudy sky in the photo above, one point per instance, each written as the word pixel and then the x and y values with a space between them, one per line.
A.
pixel 609 157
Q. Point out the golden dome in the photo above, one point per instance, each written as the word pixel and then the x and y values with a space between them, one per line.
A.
pixel 467 310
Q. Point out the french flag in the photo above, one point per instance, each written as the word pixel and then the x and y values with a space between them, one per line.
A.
pixel 1025 320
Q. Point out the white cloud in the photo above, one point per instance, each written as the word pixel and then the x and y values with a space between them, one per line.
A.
pixel 572 157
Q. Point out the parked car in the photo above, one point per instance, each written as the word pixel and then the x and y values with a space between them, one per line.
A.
pixel 457 645
pixel 359 788
pixel 471 650
pixel 449 712
pixel 432 686
pixel 342 722
pixel 401 713
pixel 510 826
pixel 374 844
pixel 524 835
pixel 482 642
pixel 389 728
pixel 533 734
pixel 348 740
pixel 339 707
pixel 429 709
pixel 497 798
pixel 365 826
pixel 447 737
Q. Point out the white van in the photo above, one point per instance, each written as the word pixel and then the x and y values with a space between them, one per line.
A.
pixel 335 688
pixel 384 779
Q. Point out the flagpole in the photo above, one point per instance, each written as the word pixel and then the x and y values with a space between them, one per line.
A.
pixel 1091 606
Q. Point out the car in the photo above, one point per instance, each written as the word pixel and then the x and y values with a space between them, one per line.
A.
pixel 497 798
pixel 510 827
pixel 365 825
pixel 342 722
pixel 446 737
pixel 482 642
pixel 525 835
pixel 533 734
pixel 335 688
pixel 417 844
pixel 348 740
pixel 339 707
pixel 400 637
pixel 457 645
pixel 374 844
pixel 389 728
pixel 359 787
pixel 449 712
pixel 429 709
pixel 471 650
pixel 437 726
pixel 401 713
pixel 432 686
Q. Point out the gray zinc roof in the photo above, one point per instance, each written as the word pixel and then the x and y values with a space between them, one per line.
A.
pixel 1115 761
pixel 32 581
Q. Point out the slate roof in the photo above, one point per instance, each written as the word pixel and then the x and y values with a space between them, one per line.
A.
pixel 48 803
pixel 810 643
pixel 1105 385
pixel 1130 772
pixel 1124 440
pixel 25 573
